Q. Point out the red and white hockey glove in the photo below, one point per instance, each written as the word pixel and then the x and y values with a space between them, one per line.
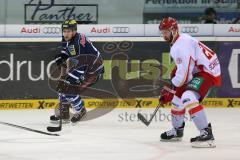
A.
pixel 166 94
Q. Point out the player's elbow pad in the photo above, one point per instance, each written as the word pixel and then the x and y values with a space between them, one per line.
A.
pixel 178 81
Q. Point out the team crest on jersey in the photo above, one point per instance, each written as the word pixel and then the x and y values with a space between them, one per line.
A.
pixel 72 50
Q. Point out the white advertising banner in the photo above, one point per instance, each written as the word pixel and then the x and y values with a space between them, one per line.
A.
pixel 152 30
pixel 115 30
pixel 229 30
pixel 33 30
pixel 197 29
pixel 2 30
pixel 120 30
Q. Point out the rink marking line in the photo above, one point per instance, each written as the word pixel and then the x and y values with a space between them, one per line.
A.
pixel 114 39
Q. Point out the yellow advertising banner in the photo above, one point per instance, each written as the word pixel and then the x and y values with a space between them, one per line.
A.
pixel 112 103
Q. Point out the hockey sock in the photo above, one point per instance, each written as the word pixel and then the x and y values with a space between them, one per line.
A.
pixel 177 117
pixel 77 103
pixel 199 117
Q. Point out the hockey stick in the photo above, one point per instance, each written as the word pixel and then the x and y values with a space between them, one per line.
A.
pixel 55 129
pixel 28 129
pixel 144 120
pixel 59 127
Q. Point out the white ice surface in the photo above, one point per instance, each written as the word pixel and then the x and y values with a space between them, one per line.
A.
pixel 112 138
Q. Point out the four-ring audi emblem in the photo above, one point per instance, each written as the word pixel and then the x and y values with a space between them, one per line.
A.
pixel 57 30
pixel 52 30
pixel 121 29
pixel 189 29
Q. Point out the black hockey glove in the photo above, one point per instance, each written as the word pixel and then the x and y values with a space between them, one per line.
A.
pixel 60 59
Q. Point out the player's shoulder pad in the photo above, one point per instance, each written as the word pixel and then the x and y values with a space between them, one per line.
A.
pixel 83 39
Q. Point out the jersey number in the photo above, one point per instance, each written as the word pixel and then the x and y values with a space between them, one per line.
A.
pixel 207 52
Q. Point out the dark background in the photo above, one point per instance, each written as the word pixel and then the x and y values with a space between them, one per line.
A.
pixel 45 51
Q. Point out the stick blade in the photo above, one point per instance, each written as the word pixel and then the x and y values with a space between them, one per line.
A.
pixel 54 129
pixel 143 119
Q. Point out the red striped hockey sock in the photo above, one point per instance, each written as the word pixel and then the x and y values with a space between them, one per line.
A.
pixel 199 117
pixel 178 117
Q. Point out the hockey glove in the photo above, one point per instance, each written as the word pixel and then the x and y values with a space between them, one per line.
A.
pixel 166 94
pixel 60 59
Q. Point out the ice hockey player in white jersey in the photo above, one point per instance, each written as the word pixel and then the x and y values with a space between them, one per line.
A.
pixel 197 69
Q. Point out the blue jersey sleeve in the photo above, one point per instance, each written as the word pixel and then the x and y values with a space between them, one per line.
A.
pixel 88 46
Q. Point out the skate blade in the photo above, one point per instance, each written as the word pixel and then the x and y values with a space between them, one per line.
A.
pixel 177 139
pixel 206 144
pixel 76 123
pixel 64 121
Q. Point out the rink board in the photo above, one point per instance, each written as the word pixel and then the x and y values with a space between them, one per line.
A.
pixel 26 64
pixel 112 103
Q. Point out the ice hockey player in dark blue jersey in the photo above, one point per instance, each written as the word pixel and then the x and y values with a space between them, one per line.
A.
pixel 81 66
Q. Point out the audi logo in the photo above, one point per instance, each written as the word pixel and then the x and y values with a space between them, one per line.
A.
pixel 52 30
pixel 121 29
pixel 190 29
